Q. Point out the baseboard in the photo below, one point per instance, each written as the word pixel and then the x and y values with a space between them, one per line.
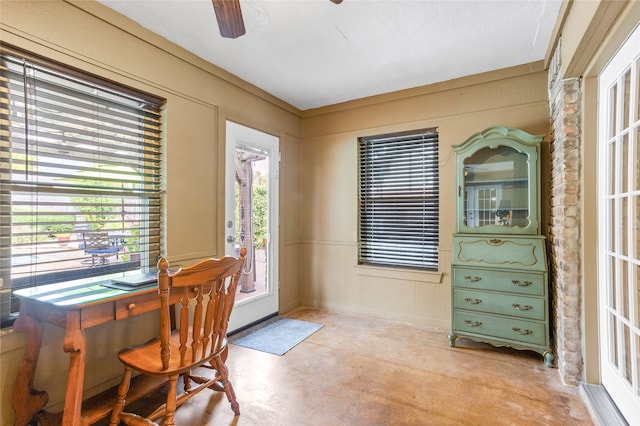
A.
pixel 231 333
pixel 603 411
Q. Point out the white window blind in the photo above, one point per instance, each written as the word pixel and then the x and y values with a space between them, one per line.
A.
pixel 399 204
pixel 77 156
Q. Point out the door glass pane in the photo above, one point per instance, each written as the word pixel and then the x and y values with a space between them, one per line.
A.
pixel 626 81
pixel 613 301
pixel 624 288
pixel 613 340
pixel 613 104
pixel 612 225
pixel 624 163
pixel 623 228
pixel 635 231
pixel 636 295
pixel 252 177
pixel 637 357
pixel 636 160
pixel 626 354
pixel 611 152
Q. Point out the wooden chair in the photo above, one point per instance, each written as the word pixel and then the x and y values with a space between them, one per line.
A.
pixel 206 293
pixel 99 246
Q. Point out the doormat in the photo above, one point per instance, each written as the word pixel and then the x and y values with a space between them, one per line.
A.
pixel 277 336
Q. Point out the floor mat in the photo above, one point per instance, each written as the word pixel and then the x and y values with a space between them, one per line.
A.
pixel 276 336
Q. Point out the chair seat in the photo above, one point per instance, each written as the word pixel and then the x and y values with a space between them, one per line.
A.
pixel 145 358
pixel 99 246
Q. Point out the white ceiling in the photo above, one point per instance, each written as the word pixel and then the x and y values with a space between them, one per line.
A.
pixel 312 53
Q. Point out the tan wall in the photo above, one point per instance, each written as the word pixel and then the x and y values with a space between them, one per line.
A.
pixel 330 276
pixel 200 97
pixel 290 196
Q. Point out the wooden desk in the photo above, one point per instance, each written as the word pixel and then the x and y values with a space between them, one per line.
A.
pixel 74 307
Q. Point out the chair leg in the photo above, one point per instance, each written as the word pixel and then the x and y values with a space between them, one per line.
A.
pixel 123 389
pixel 186 377
pixel 228 388
pixel 171 402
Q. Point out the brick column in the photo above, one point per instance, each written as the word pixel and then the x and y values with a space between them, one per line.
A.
pixel 565 240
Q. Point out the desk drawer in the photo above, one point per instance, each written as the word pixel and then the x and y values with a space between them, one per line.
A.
pixel 503 304
pixel 96 315
pixel 502 327
pixel 136 305
pixel 499 280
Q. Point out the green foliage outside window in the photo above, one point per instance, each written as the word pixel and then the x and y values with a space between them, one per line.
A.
pixel 98 211
pixel 260 203
pixel 29 228
pixel 64 227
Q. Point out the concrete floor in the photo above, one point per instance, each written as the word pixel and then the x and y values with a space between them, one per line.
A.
pixel 363 371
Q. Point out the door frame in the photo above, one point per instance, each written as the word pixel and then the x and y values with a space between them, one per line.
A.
pixel 254 309
pixel 623 396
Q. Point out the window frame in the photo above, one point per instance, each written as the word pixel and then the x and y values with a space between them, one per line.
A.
pixel 392 193
pixel 144 197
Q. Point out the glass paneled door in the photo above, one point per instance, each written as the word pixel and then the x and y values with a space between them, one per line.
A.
pixel 251 220
pixel 619 227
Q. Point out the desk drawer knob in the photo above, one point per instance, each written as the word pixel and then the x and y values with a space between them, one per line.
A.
pixel 522 332
pixel 473 323
pixel 131 306
pixel 472 279
pixel 519 307
pixel 472 301
pixel 521 283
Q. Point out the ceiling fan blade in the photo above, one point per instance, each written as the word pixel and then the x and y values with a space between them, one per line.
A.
pixel 229 18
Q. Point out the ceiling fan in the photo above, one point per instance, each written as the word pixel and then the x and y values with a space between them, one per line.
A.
pixel 229 17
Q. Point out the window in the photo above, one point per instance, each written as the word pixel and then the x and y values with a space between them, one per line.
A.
pixel 79 157
pixel 399 200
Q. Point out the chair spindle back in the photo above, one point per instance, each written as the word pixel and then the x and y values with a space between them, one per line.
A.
pixel 207 292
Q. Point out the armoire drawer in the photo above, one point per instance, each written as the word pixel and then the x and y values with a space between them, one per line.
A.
pixel 500 303
pixel 499 280
pixel 502 327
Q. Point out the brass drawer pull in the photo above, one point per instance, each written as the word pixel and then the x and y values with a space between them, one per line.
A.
pixel 522 332
pixel 472 279
pixel 472 301
pixel 473 323
pixel 521 283
pixel 495 241
pixel 519 307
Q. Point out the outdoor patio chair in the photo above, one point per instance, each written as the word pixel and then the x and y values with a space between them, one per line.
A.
pixel 199 340
pixel 100 247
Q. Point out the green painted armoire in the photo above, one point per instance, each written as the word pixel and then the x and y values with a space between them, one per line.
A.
pixel 500 292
